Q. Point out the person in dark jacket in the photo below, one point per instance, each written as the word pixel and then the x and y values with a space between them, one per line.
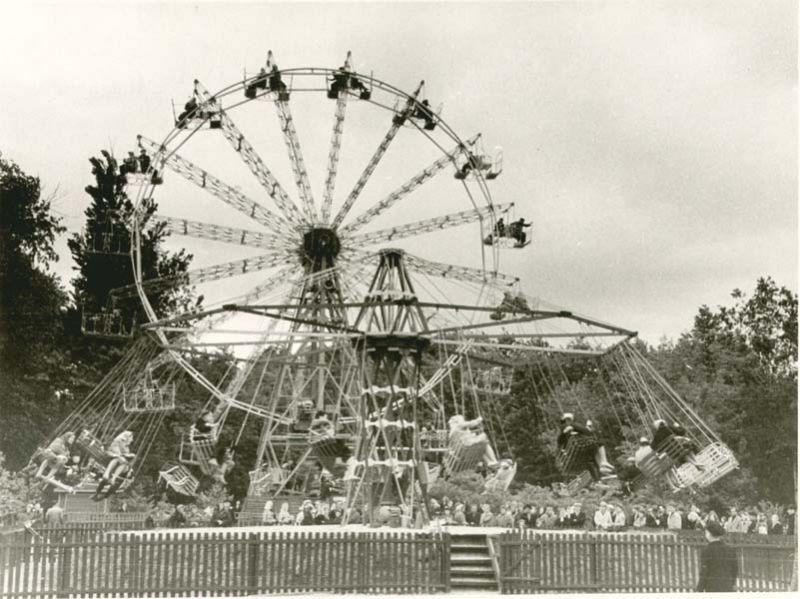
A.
pixel 719 565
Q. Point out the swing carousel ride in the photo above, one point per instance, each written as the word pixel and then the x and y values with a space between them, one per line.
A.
pixel 364 358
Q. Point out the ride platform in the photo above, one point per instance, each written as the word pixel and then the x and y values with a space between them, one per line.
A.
pixel 81 502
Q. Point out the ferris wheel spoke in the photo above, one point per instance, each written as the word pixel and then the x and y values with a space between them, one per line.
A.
pixel 333 156
pixel 254 162
pixel 403 191
pixel 219 189
pixel 232 235
pixel 447 221
pixel 373 162
pixel 458 273
pixel 206 274
pixel 296 158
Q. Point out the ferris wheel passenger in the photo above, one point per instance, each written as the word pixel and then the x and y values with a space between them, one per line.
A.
pixel 120 453
pixel 260 82
pixel 343 79
pixel 129 165
pixel 517 231
pixel 189 110
pixel 472 163
pixel 276 84
pixel 500 228
pixel 425 112
pixel 144 161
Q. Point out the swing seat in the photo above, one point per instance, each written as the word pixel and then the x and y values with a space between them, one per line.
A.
pixel 501 480
pixel 328 450
pixel 583 480
pixel 579 450
pixel 655 466
pixel 145 397
pixel 434 440
pixel 92 446
pixel 464 453
pixel 718 460
pixel 197 449
pixel 676 448
pixel 262 481
pixel 329 447
pixel 178 477
pixel 433 471
pixel 99 461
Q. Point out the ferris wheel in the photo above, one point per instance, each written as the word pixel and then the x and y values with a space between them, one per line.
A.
pixel 348 306
pixel 313 261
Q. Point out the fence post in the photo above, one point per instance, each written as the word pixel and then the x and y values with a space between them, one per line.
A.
pixel 592 539
pixel 446 561
pixel 64 566
pixel 252 563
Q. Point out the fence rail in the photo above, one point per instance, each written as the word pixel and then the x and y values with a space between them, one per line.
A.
pixel 85 563
pixel 540 562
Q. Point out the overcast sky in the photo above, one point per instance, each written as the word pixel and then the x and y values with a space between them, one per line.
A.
pixel 653 145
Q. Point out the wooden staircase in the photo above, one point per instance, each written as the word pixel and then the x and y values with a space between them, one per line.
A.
pixel 471 564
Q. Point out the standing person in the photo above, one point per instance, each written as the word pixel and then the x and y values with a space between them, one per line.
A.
pixel 578 516
pixel 674 519
pixel 267 515
pixel 284 516
pixel 603 520
pixel 620 518
pixel 719 566
pixel 791 521
pixel 639 519
pixel 775 526
pixel 473 515
pixel 487 517
pixel 54 516
pixel 526 518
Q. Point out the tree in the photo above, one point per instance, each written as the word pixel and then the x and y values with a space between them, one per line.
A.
pixel 102 255
pixel 32 302
pixel 737 367
pixel 31 299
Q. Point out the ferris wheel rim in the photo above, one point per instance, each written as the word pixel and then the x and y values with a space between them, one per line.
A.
pixel 146 192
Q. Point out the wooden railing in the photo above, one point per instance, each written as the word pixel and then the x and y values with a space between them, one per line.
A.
pixel 534 561
pixel 90 563
pixel 491 543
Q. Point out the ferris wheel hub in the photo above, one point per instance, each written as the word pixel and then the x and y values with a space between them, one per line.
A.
pixel 321 246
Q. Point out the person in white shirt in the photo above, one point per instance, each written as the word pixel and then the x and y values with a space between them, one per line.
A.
pixel 674 519
pixel 642 452
pixel 602 517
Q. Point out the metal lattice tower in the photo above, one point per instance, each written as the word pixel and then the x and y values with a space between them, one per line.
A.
pixel 388 452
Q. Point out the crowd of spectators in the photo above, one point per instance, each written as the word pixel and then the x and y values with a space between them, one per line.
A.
pixel 608 516
pixel 612 516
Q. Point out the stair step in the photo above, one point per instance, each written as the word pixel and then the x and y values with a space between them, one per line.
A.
pixel 467 546
pixel 472 583
pixel 463 558
pixel 468 537
pixel 472 570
